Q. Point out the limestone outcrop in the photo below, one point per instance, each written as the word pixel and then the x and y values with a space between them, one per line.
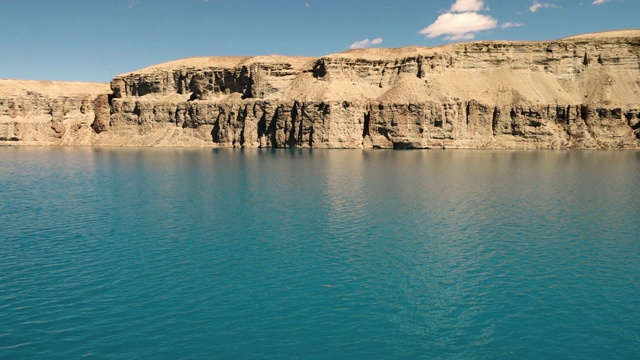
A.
pixel 48 112
pixel 578 92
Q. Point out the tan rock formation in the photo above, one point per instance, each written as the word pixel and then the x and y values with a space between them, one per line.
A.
pixel 48 112
pixel 578 92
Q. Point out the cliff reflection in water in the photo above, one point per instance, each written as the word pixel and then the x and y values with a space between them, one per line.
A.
pixel 318 253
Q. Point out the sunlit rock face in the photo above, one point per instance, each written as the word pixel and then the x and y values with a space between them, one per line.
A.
pixel 48 112
pixel 578 92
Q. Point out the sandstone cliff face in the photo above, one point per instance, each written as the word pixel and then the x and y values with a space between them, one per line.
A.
pixel 580 92
pixel 48 113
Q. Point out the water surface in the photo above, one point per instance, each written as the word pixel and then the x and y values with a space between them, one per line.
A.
pixel 182 253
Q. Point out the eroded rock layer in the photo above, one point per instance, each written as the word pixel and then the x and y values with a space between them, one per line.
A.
pixel 579 92
pixel 47 112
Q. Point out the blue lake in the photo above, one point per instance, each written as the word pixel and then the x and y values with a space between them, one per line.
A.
pixel 190 253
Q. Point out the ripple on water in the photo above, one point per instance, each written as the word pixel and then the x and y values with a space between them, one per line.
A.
pixel 319 254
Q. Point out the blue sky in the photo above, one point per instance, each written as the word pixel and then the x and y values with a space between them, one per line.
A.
pixel 94 40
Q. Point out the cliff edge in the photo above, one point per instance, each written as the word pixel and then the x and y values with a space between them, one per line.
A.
pixel 48 112
pixel 577 92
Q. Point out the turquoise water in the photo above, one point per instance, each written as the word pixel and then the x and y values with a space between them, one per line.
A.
pixel 170 253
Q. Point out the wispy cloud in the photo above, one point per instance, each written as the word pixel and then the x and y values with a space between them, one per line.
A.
pixel 599 2
pixel 307 5
pixel 510 24
pixel 462 22
pixel 365 43
pixel 538 5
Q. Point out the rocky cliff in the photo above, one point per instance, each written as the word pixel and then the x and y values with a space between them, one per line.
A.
pixel 578 92
pixel 48 112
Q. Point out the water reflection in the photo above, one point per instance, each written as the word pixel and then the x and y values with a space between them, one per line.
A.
pixel 258 253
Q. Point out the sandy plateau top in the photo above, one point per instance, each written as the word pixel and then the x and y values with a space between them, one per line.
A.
pixel 407 51
pixel 505 77
pixel 298 62
pixel 194 62
pixel 630 33
pixel 15 88
pixel 223 62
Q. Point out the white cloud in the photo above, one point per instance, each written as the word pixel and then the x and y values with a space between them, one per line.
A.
pixel 599 2
pixel 538 5
pixel 307 5
pixel 467 5
pixel 510 24
pixel 462 22
pixel 459 26
pixel 365 43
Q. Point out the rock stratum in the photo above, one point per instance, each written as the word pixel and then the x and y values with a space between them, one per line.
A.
pixel 578 92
